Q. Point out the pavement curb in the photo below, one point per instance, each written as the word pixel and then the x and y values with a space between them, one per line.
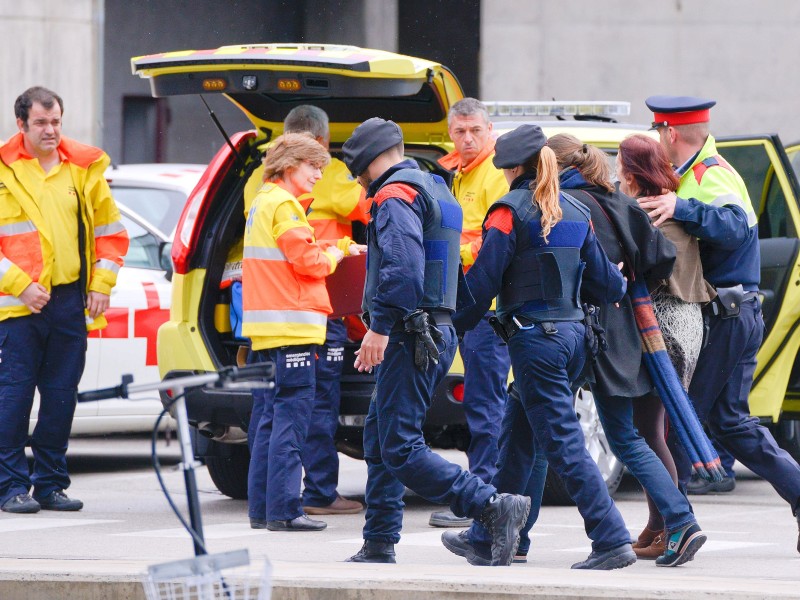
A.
pixel 42 579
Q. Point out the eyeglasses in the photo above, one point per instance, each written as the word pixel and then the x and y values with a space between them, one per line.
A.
pixel 656 125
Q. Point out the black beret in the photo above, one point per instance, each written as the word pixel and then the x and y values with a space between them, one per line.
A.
pixel 516 147
pixel 370 139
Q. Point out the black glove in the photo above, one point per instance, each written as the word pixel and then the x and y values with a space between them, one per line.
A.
pixel 425 338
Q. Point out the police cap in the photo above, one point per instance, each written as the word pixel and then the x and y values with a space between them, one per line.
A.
pixel 679 110
pixel 518 146
pixel 370 139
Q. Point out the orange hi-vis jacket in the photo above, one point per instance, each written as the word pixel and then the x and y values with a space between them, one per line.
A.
pixel 26 248
pixel 476 186
pixel 285 301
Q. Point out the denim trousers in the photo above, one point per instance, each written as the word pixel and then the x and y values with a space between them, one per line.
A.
pixel 616 416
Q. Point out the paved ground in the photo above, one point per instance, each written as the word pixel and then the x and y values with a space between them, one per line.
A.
pixel 126 525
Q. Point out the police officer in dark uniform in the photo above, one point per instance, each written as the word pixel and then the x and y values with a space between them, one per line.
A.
pixel 538 246
pixel 712 203
pixel 410 292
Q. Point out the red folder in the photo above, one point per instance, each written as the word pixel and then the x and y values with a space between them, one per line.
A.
pixel 346 286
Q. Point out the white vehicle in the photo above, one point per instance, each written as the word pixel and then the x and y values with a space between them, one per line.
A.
pixel 150 198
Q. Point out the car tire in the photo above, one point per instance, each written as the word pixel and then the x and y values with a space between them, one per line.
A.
pixel 228 470
pixel 612 470
pixel 787 434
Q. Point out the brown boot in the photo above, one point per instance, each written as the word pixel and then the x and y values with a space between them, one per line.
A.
pixel 654 550
pixel 340 506
pixel 646 538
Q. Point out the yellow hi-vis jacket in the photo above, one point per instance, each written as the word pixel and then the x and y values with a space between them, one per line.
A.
pixel 284 298
pixel 476 186
pixel 26 249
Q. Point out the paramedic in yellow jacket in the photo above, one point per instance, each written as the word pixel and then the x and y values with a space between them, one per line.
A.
pixel 476 186
pixel 61 247
pixel 285 310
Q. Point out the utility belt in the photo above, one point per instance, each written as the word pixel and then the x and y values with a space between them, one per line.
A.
pixel 595 336
pixel 424 326
pixel 728 303
pixel 440 318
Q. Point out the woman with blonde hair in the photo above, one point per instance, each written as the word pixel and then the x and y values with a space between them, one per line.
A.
pixel 537 246
pixel 285 310
pixel 620 382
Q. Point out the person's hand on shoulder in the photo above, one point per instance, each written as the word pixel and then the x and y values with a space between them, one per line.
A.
pixel 660 208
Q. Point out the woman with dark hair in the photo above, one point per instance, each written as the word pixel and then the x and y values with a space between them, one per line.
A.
pixel 643 169
pixel 620 382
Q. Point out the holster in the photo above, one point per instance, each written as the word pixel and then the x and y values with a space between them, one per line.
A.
pixel 595 336
pixel 499 328
pixel 728 303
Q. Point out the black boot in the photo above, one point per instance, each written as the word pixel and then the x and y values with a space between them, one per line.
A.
pixel 504 516
pixel 374 552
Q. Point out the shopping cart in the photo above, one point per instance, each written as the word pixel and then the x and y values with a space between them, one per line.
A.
pixel 223 576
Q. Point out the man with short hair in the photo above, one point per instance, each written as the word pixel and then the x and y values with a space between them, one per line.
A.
pixel 409 296
pixel 712 203
pixel 477 184
pixel 61 247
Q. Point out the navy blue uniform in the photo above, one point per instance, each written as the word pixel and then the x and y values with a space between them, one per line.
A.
pixel 721 383
pixel 547 350
pixel 407 268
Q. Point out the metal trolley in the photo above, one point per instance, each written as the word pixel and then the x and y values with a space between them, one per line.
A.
pixel 222 576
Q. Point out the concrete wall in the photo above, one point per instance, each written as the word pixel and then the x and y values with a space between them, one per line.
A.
pixel 52 43
pixel 744 54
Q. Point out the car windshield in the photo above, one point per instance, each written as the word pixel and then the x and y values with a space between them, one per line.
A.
pixel 159 207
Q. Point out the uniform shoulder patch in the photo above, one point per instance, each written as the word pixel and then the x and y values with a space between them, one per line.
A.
pixel 500 218
pixel 403 191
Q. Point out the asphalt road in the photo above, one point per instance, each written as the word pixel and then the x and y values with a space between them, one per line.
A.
pixel 752 534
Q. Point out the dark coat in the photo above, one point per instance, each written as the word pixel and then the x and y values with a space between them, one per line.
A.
pixel 620 371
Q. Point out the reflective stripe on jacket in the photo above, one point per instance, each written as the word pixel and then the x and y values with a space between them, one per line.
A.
pixel 285 300
pixel 26 250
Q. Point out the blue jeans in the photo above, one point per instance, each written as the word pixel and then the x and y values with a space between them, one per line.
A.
pixel 616 416
pixel 319 455
pixel 45 351
pixel 273 482
pixel 545 365
pixel 486 365
pixel 394 447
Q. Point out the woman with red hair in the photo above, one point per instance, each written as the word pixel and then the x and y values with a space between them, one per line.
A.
pixel 643 169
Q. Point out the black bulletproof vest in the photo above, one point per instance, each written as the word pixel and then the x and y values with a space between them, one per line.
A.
pixel 441 237
pixel 543 280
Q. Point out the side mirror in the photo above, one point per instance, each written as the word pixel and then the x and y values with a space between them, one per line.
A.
pixel 165 259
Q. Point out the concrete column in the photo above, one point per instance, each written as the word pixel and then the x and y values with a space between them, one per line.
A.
pixel 54 44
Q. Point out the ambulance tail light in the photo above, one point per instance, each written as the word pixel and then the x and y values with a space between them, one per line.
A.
pixel 562 108
pixel 197 206
pixel 458 392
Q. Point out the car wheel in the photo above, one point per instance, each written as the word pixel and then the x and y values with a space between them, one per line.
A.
pixel 555 492
pixel 787 433
pixel 229 470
